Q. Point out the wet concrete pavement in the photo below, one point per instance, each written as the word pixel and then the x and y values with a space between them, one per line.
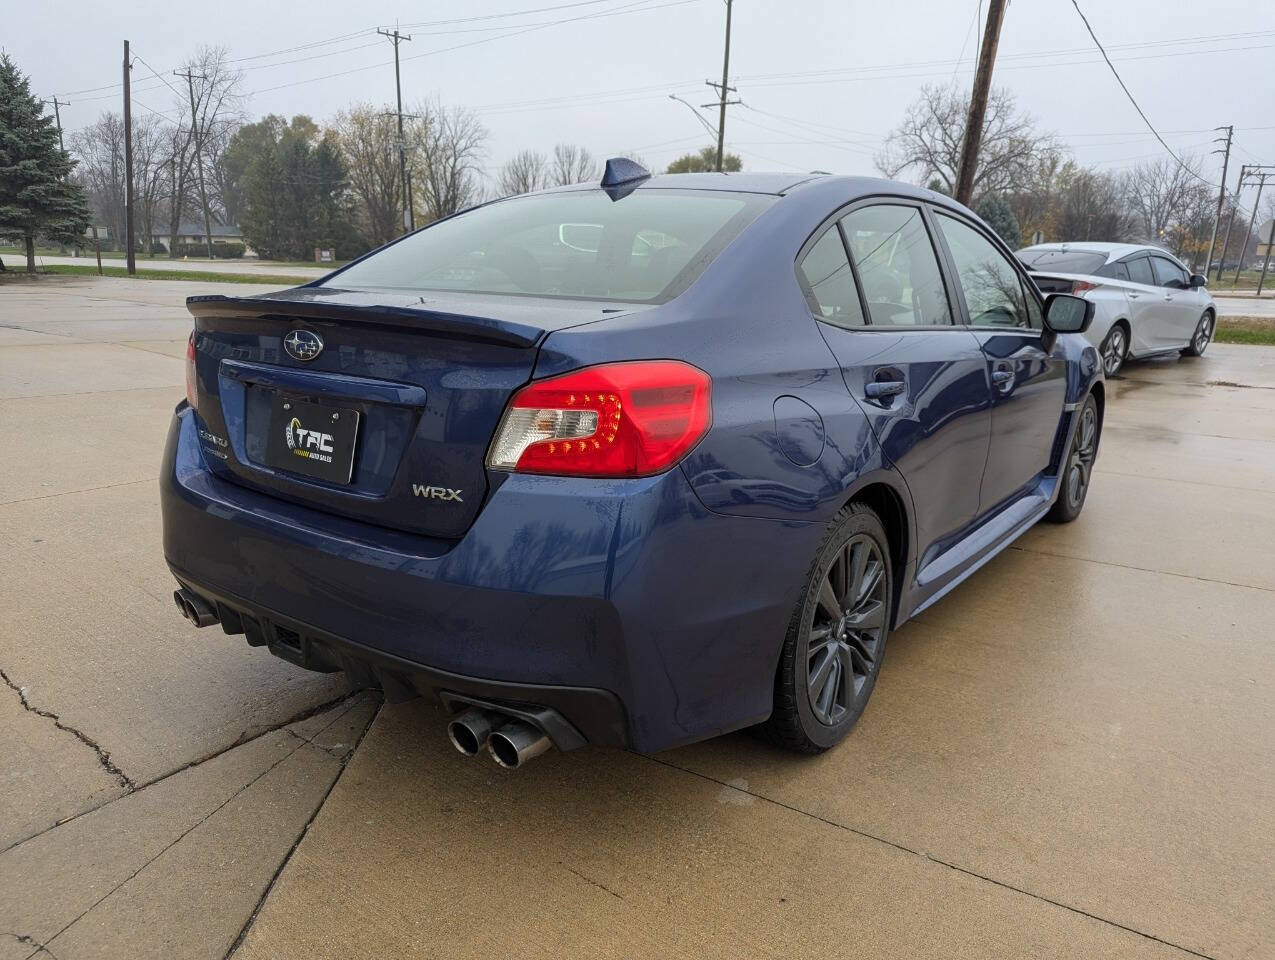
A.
pixel 1069 756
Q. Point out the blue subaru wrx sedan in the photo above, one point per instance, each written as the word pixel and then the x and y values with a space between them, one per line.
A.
pixel 633 464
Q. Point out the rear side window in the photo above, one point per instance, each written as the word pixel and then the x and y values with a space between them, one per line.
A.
pixel 1140 271
pixel 993 291
pixel 1116 271
pixel 644 247
pixel 1168 273
pixel 897 266
pixel 830 283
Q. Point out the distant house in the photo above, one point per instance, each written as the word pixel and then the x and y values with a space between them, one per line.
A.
pixel 192 232
pixel 1265 236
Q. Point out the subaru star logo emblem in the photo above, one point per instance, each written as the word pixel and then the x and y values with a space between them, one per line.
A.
pixel 303 344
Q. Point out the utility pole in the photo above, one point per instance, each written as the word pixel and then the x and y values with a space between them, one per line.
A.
pixel 57 116
pixel 1230 222
pixel 978 102
pixel 130 254
pixel 1221 193
pixel 1261 183
pixel 724 90
pixel 409 215
pixel 199 154
pixel 1270 242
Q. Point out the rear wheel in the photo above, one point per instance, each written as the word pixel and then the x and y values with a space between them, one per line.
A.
pixel 1078 467
pixel 1114 350
pixel 836 641
pixel 1202 337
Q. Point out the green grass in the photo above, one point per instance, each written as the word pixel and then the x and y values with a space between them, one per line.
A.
pixel 1259 331
pixel 90 257
pixel 1261 338
pixel 143 273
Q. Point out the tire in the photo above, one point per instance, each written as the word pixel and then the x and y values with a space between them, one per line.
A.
pixel 1114 350
pixel 1077 470
pixel 840 658
pixel 1202 337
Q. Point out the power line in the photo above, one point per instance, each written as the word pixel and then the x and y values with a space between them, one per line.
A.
pixel 1127 93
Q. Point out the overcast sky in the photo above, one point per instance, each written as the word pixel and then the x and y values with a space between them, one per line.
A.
pixel 822 81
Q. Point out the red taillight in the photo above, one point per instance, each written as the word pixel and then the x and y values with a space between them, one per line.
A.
pixel 1083 286
pixel 192 393
pixel 629 419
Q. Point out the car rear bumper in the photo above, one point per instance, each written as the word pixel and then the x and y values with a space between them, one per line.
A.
pixel 625 606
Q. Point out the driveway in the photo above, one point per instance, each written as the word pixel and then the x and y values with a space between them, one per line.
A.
pixel 1068 757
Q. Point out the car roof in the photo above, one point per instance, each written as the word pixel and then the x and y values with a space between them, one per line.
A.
pixel 779 184
pixel 1112 251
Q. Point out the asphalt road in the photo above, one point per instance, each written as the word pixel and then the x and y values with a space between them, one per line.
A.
pixel 1068 757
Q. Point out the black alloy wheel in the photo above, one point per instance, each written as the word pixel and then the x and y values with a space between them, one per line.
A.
pixel 835 645
pixel 1077 469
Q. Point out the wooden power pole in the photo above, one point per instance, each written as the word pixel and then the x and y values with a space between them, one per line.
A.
pixel 130 254
pixel 409 215
pixel 191 77
pixel 978 102
pixel 1221 195
pixel 724 91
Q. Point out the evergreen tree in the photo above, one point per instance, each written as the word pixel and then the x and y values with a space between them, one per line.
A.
pixel 997 214
pixel 37 196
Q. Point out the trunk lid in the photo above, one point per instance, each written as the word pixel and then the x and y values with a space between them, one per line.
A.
pixel 389 420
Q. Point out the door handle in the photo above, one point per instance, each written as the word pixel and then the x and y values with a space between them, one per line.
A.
pixel 879 389
pixel 1134 296
pixel 1002 376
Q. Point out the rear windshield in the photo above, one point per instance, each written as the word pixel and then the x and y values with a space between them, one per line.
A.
pixel 1062 261
pixel 645 247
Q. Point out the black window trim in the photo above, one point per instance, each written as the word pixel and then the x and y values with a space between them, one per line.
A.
pixel 1024 275
pixel 834 219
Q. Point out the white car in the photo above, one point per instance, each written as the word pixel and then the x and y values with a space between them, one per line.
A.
pixel 1145 302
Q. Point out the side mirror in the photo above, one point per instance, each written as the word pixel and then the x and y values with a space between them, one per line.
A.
pixel 1198 281
pixel 1067 314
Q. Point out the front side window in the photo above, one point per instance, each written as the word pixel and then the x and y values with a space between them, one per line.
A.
pixel 993 291
pixel 830 282
pixel 1140 271
pixel 644 247
pixel 897 266
pixel 1168 273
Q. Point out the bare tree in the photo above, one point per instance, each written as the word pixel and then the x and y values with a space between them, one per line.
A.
pixel 523 173
pixel 368 138
pixel 151 147
pixel 214 102
pixel 927 144
pixel 447 147
pixel 100 151
pixel 572 164
pixel 1092 207
pixel 1156 192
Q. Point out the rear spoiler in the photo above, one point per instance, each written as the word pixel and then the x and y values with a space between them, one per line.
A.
pixel 353 308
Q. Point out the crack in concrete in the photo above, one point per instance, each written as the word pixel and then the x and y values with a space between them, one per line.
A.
pixel 28 941
pixel 212 813
pixel 903 848
pixel 103 756
pixel 590 880
pixel 239 742
pixel 1134 566
pixel 305 829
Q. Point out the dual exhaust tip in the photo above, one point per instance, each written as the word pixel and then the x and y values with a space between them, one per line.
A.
pixel 510 742
pixel 194 608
